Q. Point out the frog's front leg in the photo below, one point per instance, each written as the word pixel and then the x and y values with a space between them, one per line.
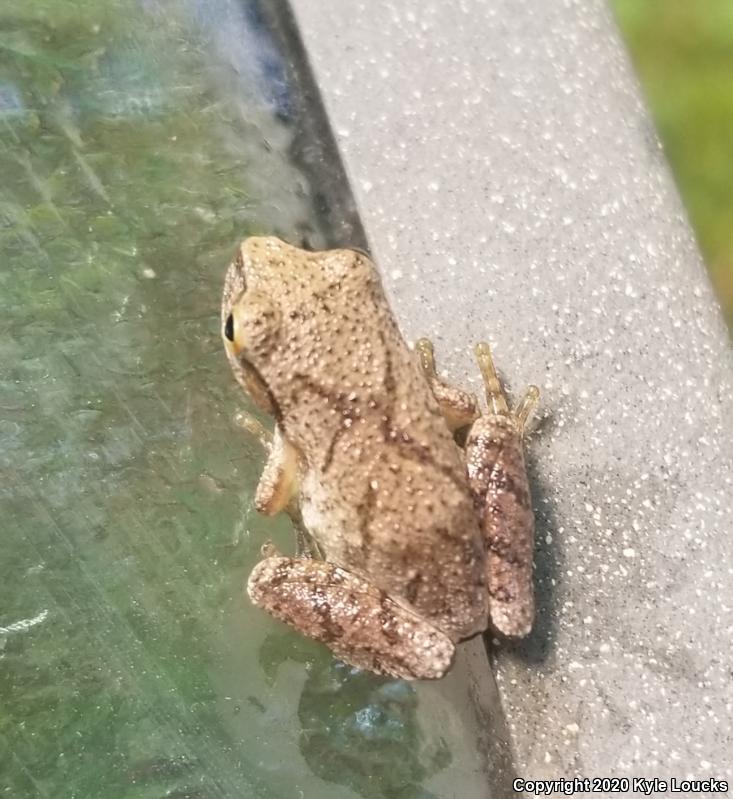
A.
pixel 277 485
pixel 459 408
pixel 359 622
pixel 277 489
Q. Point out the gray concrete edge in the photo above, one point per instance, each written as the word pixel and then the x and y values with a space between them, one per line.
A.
pixel 511 186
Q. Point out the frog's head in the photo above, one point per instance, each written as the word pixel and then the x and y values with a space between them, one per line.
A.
pixel 282 302
pixel 251 317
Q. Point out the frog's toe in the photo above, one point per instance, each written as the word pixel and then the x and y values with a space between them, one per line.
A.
pixel 269 550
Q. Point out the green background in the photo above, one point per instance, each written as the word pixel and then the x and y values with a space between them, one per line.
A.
pixel 683 52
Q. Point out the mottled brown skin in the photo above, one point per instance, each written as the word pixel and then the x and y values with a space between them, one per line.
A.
pixel 363 446
pixel 498 480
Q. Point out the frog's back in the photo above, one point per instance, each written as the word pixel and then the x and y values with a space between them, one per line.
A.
pixel 384 488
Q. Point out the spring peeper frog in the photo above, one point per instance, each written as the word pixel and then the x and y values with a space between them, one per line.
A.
pixel 363 448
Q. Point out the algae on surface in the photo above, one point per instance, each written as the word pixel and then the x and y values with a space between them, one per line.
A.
pixel 127 157
pixel 139 141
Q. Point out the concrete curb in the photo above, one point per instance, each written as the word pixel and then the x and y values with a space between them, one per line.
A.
pixel 511 187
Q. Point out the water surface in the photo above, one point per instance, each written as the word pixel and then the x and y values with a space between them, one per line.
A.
pixel 139 141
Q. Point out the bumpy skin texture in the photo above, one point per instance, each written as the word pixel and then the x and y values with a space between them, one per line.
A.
pixel 498 478
pixel 359 622
pixel 381 484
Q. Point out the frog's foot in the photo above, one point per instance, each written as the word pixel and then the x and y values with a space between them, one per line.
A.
pixel 495 396
pixel 458 407
pixel 356 620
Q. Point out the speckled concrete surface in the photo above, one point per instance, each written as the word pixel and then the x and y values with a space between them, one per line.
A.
pixel 512 187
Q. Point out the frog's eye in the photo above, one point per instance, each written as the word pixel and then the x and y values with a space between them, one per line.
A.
pixel 229 327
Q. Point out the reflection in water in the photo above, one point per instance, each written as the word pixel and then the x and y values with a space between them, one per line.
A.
pixel 359 729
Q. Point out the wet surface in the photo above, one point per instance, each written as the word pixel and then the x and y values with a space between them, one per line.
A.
pixel 139 142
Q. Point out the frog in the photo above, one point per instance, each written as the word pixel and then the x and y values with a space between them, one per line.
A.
pixel 363 457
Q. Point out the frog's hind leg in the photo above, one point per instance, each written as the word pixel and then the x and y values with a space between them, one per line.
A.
pixel 459 408
pixel 356 620
pixel 498 478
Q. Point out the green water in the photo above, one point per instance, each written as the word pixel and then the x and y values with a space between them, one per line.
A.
pixel 139 141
